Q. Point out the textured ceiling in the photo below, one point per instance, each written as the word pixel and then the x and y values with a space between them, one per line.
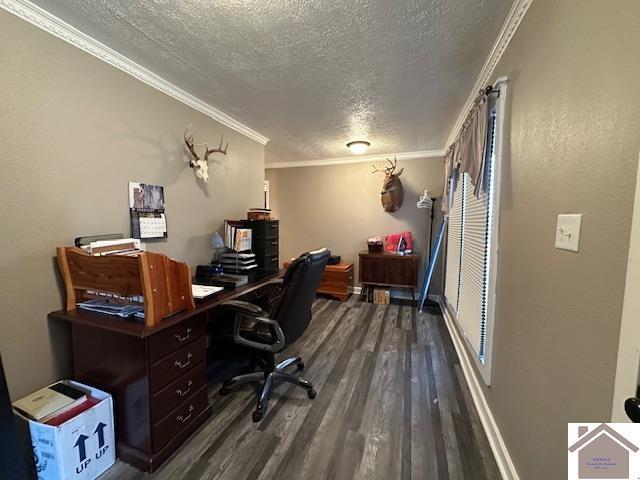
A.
pixel 309 74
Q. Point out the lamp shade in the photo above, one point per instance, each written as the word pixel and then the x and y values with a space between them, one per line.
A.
pixel 216 241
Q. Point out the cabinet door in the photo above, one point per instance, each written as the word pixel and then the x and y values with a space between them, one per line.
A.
pixel 402 271
pixel 373 269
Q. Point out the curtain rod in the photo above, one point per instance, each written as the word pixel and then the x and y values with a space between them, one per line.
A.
pixel 490 91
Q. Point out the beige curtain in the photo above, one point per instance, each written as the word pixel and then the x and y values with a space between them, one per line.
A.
pixel 467 153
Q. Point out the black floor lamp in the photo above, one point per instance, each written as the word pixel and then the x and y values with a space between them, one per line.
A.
pixel 427 201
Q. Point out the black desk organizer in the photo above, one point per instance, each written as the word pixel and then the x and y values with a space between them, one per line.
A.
pixel 265 243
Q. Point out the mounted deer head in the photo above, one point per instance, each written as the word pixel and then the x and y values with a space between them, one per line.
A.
pixel 201 166
pixel 392 192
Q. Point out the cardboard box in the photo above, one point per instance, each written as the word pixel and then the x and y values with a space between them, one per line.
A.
pixel 82 448
pixel 381 296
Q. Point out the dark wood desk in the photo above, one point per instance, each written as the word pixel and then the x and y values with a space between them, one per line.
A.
pixel 157 375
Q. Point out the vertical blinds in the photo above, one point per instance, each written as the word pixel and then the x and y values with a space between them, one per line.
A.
pixel 454 248
pixel 468 241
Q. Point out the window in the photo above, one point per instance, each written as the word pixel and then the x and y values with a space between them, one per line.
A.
pixel 470 245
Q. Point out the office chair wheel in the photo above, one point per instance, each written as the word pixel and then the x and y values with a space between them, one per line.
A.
pixel 257 416
pixel 224 391
pixel 312 393
pixel 300 365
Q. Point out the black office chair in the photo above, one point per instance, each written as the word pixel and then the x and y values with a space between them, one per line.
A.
pixel 266 333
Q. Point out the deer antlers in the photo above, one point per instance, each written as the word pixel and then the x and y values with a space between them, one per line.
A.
pixel 388 171
pixel 189 142
pixel 201 166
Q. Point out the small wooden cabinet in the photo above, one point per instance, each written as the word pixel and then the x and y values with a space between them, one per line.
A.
pixel 337 280
pixel 388 269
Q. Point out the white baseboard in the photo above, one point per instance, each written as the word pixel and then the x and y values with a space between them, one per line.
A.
pixel 500 452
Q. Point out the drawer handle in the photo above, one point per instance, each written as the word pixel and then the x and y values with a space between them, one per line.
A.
pixel 180 393
pixel 274 225
pixel 182 419
pixel 183 339
pixel 181 365
pixel 274 243
pixel 274 259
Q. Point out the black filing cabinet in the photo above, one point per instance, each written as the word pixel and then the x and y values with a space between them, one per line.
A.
pixel 265 243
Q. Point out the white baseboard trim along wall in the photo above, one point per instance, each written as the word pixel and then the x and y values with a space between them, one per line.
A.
pixel 498 447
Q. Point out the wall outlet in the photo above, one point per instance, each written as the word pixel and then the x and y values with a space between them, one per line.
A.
pixel 568 232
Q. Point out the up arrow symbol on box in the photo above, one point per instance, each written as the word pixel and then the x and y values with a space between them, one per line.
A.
pixel 82 450
pixel 100 431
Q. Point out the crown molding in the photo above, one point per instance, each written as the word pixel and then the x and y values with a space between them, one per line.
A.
pixel 358 159
pixel 57 27
pixel 508 30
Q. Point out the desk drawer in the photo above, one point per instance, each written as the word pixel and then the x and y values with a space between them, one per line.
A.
pixel 168 398
pixel 179 418
pixel 268 262
pixel 266 247
pixel 266 229
pixel 177 364
pixel 171 339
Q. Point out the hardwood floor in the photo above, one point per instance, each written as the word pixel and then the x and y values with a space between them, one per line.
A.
pixel 392 404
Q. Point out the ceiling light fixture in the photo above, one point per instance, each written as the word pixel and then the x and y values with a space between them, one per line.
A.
pixel 358 147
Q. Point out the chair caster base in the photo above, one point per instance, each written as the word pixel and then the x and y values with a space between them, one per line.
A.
pixel 300 366
pixel 312 394
pixel 257 416
pixel 224 391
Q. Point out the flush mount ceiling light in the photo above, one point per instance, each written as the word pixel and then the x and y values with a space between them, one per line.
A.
pixel 358 147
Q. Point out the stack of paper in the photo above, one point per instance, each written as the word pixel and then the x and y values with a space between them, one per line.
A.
pixel 201 291
pixel 236 238
pixel 122 246
pixel 124 311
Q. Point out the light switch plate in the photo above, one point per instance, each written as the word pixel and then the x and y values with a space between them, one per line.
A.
pixel 568 232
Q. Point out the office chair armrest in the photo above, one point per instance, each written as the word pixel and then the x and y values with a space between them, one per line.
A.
pixel 274 329
pixel 244 307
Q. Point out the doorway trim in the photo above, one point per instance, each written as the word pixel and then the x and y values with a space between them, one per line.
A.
pixel 629 344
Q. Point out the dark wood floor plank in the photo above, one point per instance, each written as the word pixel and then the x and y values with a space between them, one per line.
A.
pixel 318 462
pixel 298 416
pixel 423 445
pixel 350 457
pixel 405 471
pixel 489 461
pixel 293 466
pixel 439 450
pixel 380 412
pixel 392 403
pixel 375 326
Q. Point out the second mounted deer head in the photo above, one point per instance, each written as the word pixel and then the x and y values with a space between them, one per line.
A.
pixel 392 192
pixel 201 165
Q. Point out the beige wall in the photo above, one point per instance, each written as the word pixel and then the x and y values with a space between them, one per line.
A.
pixel 338 206
pixel 73 132
pixel 574 104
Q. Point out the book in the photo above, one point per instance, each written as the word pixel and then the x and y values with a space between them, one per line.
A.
pixel 202 291
pixel 51 400
pixel 61 416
